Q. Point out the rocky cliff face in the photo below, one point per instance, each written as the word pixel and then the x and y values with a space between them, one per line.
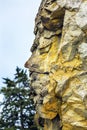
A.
pixel 58 65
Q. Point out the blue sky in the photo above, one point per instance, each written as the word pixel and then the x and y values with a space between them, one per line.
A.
pixel 16 33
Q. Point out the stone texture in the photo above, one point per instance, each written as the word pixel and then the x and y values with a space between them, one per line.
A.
pixel 58 65
pixel 70 4
pixel 81 16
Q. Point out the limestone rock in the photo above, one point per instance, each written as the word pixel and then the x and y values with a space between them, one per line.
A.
pixel 70 4
pixel 81 16
pixel 83 50
pixel 58 65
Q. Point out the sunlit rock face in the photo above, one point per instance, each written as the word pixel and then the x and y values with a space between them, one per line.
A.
pixel 58 65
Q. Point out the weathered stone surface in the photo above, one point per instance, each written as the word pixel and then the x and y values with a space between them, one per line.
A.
pixel 81 16
pixel 70 4
pixel 58 65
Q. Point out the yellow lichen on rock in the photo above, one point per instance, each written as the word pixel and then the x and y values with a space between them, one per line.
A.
pixel 58 65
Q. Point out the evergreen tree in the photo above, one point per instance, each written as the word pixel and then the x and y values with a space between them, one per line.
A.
pixel 18 107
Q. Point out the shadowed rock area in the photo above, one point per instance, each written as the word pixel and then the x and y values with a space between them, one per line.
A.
pixel 58 65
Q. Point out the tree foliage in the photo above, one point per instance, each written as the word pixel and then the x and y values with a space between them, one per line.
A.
pixel 18 107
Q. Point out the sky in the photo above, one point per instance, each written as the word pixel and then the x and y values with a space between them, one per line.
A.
pixel 17 20
pixel 16 33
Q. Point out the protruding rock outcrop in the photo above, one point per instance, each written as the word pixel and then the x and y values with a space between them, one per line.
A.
pixel 58 65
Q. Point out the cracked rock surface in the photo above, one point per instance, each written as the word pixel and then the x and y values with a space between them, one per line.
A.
pixel 58 65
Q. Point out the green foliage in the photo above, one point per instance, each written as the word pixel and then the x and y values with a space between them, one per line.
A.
pixel 18 107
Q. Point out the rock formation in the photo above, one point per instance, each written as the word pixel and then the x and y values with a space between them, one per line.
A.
pixel 58 65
